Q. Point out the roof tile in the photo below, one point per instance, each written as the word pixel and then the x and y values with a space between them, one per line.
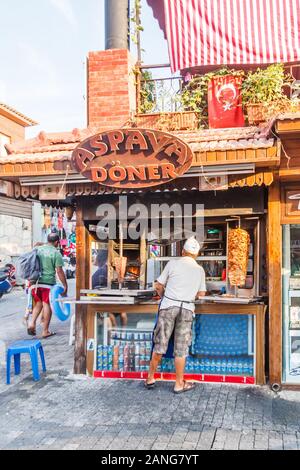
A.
pixel 200 140
pixel 12 111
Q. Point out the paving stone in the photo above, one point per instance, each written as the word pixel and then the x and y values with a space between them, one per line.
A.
pixel 71 447
pixel 63 411
pixel 232 440
pixel 189 445
pixel 261 440
pixel 247 440
pixel 220 438
pixel 275 441
pixel 193 436
pixel 290 442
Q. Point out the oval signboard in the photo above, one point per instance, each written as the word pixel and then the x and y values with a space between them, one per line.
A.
pixel 132 158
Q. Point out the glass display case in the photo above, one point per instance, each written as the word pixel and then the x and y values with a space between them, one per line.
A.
pixel 291 304
pixel 221 345
pixel 212 257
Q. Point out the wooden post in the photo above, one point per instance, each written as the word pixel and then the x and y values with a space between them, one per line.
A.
pixel 260 345
pixel 143 261
pixel 82 282
pixel 275 294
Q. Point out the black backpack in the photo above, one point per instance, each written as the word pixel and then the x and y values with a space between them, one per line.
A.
pixel 29 266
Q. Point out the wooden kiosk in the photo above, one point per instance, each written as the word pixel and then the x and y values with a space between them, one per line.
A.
pixel 97 343
pixel 152 167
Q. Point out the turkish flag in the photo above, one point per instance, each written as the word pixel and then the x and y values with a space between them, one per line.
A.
pixel 225 102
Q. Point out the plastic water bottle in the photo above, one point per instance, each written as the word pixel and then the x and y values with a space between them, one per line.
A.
pixel 246 367
pixel 224 365
pixel 218 366
pixel 213 366
pixel 229 365
pixel 234 367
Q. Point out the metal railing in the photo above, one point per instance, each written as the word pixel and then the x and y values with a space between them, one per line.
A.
pixel 163 94
pixel 158 95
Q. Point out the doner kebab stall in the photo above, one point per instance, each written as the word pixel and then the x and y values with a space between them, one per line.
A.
pixel 116 304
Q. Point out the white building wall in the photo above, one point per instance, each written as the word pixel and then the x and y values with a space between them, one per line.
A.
pixel 15 237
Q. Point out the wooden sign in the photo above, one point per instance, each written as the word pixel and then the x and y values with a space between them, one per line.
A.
pixel 7 188
pixel 213 183
pixel 52 192
pixel 132 158
pixel 292 203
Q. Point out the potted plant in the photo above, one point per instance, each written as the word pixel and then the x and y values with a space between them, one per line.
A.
pixel 263 93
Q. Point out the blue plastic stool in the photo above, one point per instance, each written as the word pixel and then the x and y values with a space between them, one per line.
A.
pixel 31 346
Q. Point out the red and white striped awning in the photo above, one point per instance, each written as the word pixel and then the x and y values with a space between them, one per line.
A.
pixel 230 32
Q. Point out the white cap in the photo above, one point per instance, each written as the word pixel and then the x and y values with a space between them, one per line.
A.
pixel 191 246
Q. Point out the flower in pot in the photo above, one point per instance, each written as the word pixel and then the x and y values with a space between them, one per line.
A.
pixel 263 93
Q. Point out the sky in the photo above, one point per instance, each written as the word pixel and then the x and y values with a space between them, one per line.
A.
pixel 43 50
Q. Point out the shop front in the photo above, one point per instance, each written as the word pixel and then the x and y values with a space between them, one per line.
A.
pixel 116 303
pixel 284 256
pixel 291 285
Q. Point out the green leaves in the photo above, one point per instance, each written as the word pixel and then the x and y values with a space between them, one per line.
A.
pixel 265 85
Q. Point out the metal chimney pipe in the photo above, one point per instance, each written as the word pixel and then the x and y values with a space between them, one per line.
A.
pixel 116 24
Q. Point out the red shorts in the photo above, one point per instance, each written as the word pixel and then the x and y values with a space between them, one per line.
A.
pixel 41 294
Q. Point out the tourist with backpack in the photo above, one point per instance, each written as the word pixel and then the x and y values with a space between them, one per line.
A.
pixel 49 263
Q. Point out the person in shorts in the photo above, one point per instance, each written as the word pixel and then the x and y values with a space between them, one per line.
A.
pixel 51 265
pixel 181 282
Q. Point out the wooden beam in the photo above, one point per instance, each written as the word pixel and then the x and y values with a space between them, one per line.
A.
pixel 143 261
pixel 82 282
pixel 275 295
pixel 287 126
pixel 260 346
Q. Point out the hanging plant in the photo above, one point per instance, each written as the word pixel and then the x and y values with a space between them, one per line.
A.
pixel 135 27
pixel 147 93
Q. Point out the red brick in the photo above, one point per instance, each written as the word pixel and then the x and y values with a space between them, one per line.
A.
pixel 109 88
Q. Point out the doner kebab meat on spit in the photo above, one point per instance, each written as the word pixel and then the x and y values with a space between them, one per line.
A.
pixel 238 253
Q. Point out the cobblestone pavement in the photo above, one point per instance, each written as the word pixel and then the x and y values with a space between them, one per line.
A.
pixel 63 411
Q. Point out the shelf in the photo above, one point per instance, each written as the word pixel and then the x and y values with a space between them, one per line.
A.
pixel 200 258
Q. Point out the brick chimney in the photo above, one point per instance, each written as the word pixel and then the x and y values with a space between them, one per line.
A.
pixel 111 88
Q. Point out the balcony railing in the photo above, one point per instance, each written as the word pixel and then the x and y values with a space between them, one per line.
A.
pixel 160 104
pixel 160 95
pixel 159 100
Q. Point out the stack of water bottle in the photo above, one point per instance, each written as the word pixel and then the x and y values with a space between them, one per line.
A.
pixel 242 365
pixel 219 346
pixel 127 351
pixel 213 365
pixel 220 335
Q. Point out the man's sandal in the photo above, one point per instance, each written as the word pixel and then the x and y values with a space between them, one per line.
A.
pixel 149 386
pixel 187 386
pixel 31 331
pixel 50 334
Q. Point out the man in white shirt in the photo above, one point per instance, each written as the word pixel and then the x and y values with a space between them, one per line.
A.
pixel 181 282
